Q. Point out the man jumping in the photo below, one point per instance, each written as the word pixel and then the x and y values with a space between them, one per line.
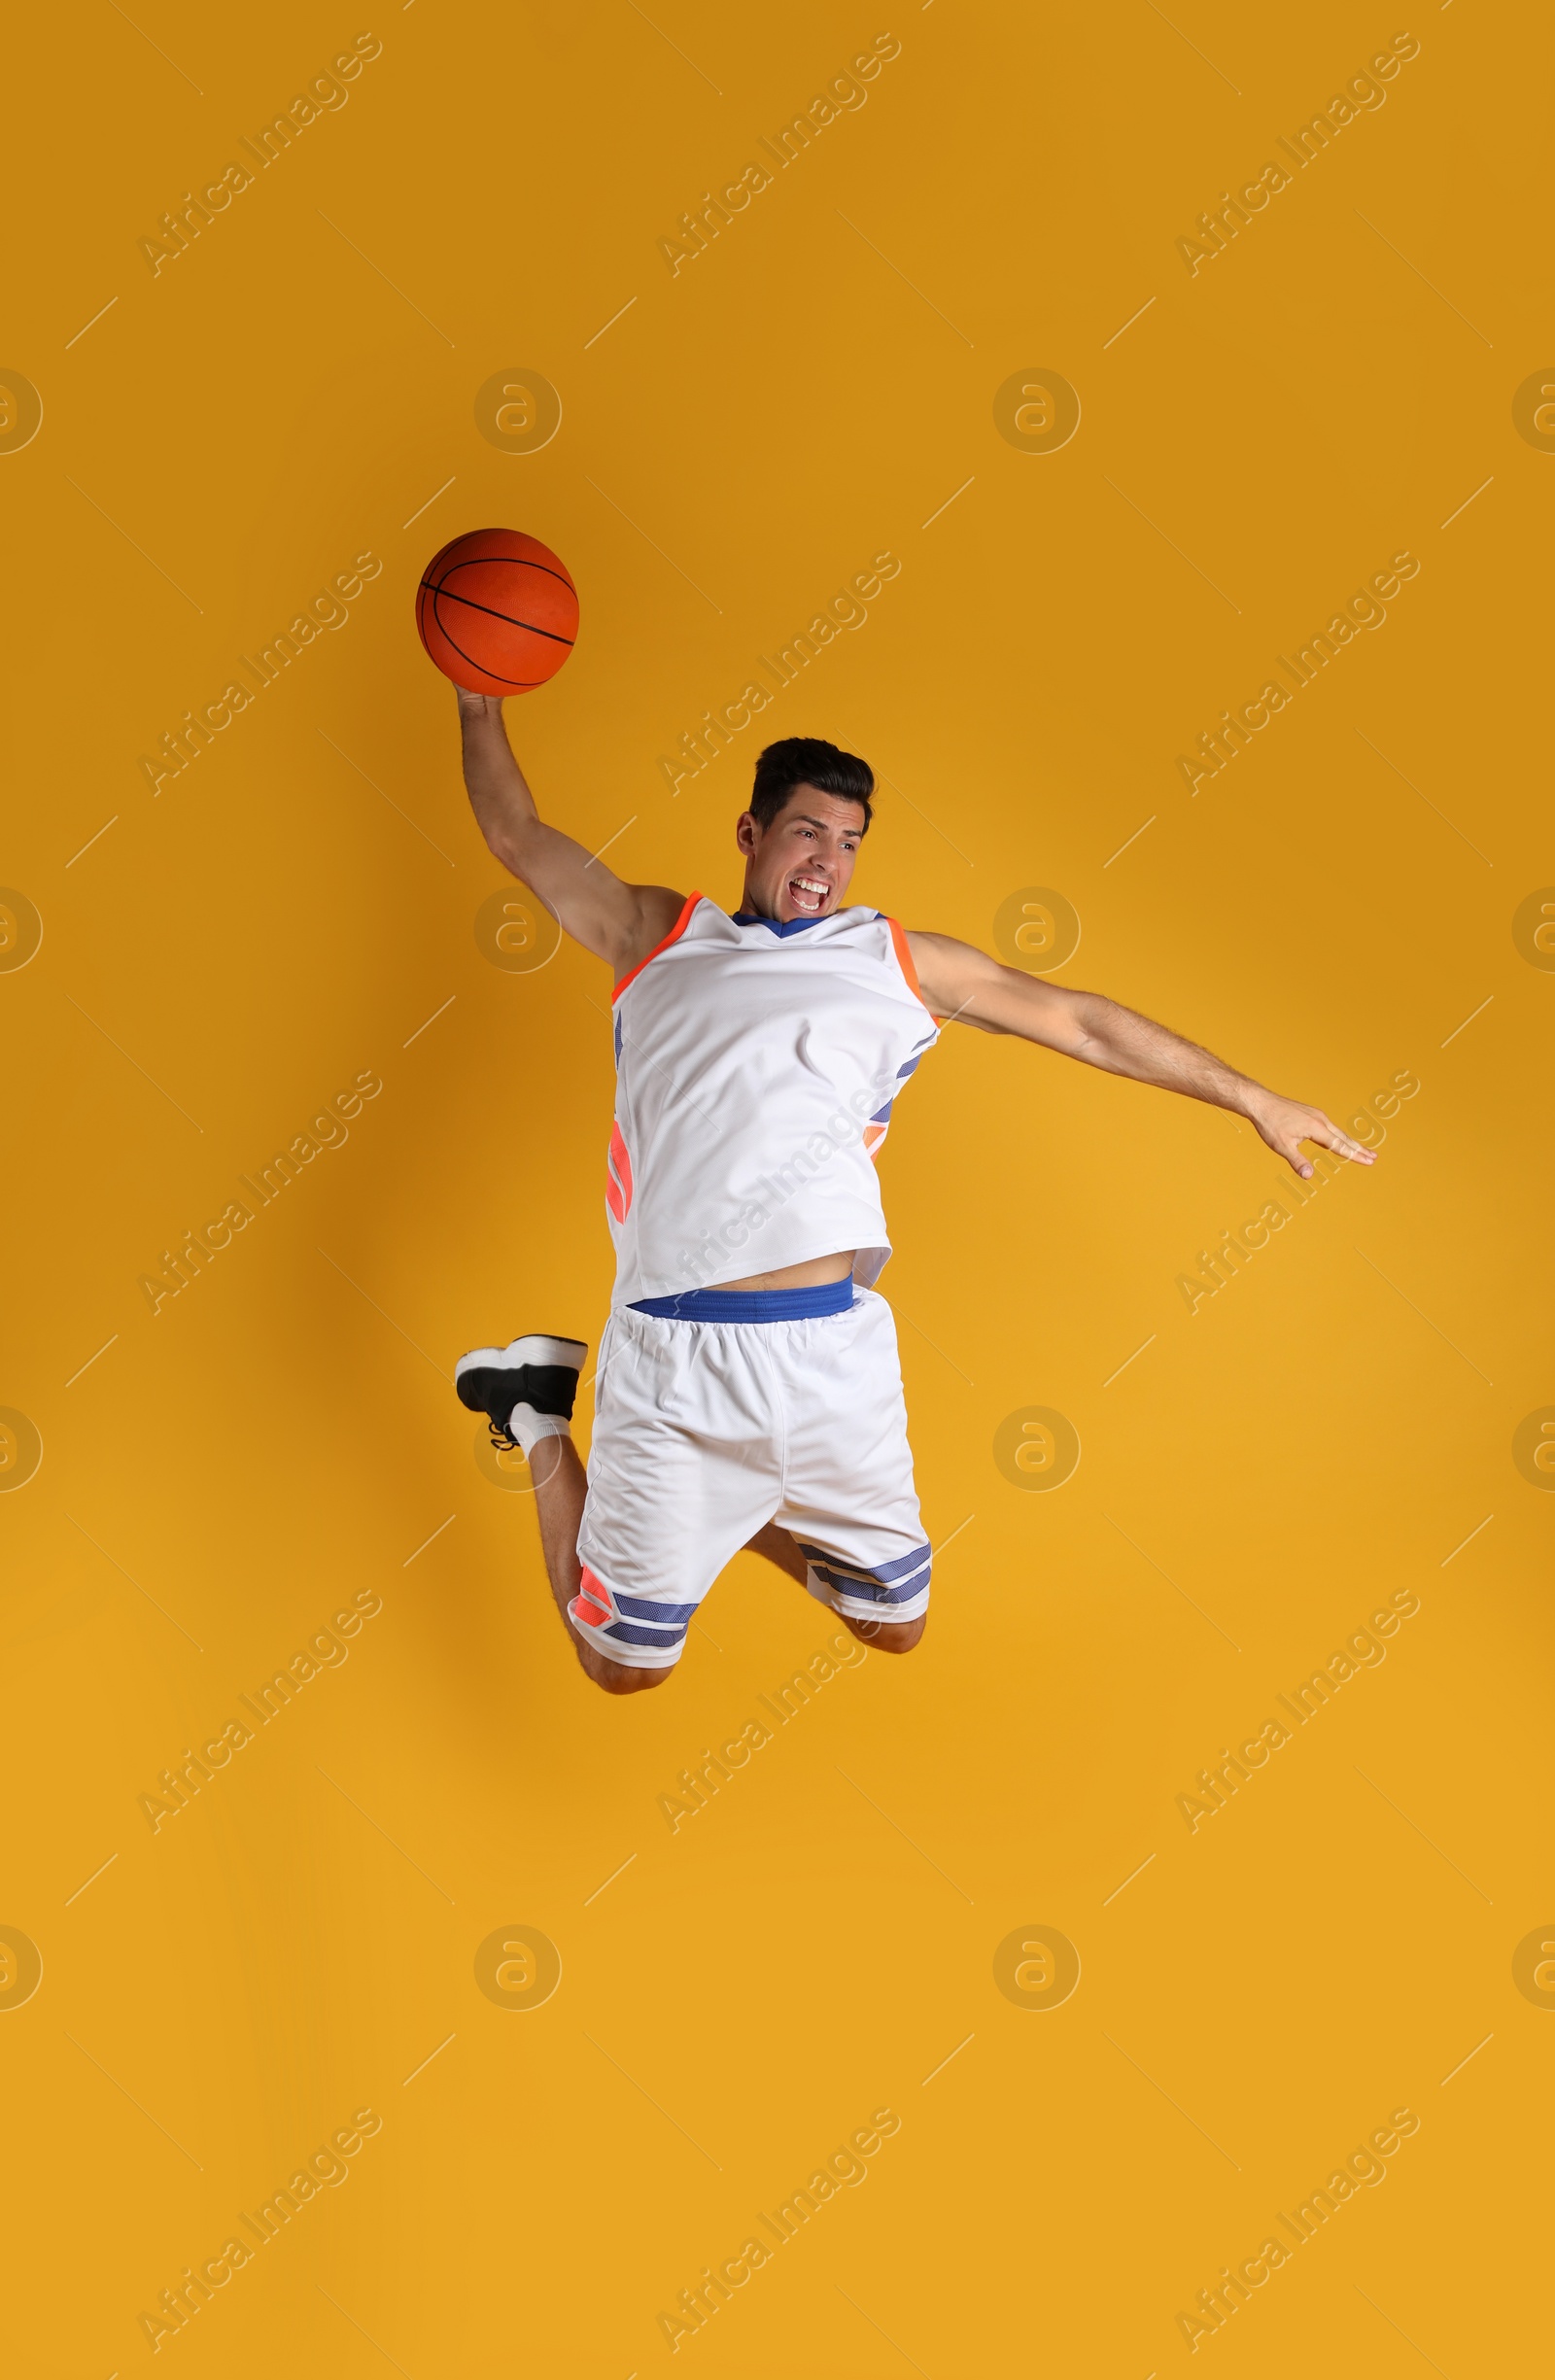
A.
pixel 748 1392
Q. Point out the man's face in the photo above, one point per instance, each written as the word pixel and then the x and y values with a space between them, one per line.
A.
pixel 800 866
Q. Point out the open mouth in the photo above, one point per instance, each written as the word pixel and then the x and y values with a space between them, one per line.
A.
pixel 809 894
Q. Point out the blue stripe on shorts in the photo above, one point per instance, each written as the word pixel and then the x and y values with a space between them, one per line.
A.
pixel 858 1591
pixel 882 1578
pixel 801 1305
pixel 660 1638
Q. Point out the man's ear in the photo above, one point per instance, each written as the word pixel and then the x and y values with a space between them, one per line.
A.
pixel 746 832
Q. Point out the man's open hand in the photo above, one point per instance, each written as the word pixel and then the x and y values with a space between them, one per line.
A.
pixel 1286 1123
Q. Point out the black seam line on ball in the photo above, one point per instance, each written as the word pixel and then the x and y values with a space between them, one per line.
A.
pixel 492 614
pixel 524 684
pixel 518 561
pixel 514 562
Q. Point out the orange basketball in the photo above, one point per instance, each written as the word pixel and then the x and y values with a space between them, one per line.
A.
pixel 497 611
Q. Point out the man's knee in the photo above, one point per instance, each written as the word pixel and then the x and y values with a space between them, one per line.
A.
pixel 615 1678
pixel 887 1636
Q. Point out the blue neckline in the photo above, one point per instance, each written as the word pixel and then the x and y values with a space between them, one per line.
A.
pixel 795 926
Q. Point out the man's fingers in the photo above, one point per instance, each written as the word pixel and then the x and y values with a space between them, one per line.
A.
pixel 1332 1138
pixel 1339 1142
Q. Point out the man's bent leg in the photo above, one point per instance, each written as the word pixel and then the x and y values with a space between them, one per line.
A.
pixel 777 1546
pixel 526 1390
pixel 849 1501
pixel 560 1488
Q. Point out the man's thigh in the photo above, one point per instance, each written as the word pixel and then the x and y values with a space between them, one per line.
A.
pixel 683 1469
pixel 849 1496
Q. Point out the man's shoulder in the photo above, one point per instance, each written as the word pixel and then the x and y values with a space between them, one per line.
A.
pixel 661 916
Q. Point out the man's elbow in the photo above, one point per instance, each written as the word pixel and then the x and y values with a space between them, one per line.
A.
pixel 509 848
pixel 1084 1033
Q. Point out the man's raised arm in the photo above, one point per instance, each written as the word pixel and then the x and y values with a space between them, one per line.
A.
pixel 966 986
pixel 619 923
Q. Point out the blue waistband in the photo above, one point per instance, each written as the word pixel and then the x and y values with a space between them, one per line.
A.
pixel 800 1305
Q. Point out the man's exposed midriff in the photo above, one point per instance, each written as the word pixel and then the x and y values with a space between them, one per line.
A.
pixel 809 1275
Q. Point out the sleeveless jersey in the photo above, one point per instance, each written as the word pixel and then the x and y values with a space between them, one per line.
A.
pixel 756 1065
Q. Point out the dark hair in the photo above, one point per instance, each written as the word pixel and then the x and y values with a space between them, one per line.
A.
pixel 807 760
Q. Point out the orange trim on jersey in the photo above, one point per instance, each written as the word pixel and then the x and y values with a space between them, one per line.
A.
pixel 673 935
pixel 904 959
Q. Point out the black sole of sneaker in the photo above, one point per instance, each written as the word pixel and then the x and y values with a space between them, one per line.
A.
pixel 537 1370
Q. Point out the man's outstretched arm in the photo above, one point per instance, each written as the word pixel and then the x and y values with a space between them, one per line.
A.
pixel 618 923
pixel 965 984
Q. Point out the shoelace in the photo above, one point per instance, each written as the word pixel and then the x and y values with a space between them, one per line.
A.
pixel 501 1439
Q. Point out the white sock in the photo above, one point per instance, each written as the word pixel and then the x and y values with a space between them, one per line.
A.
pixel 529 1426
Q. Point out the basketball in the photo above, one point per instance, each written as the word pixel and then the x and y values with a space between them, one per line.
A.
pixel 496 611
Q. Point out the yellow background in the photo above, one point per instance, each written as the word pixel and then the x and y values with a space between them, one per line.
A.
pixel 289 911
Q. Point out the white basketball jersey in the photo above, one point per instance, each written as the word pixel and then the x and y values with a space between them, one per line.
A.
pixel 756 1065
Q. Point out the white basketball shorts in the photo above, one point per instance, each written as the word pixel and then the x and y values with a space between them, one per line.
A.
pixel 706 1428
